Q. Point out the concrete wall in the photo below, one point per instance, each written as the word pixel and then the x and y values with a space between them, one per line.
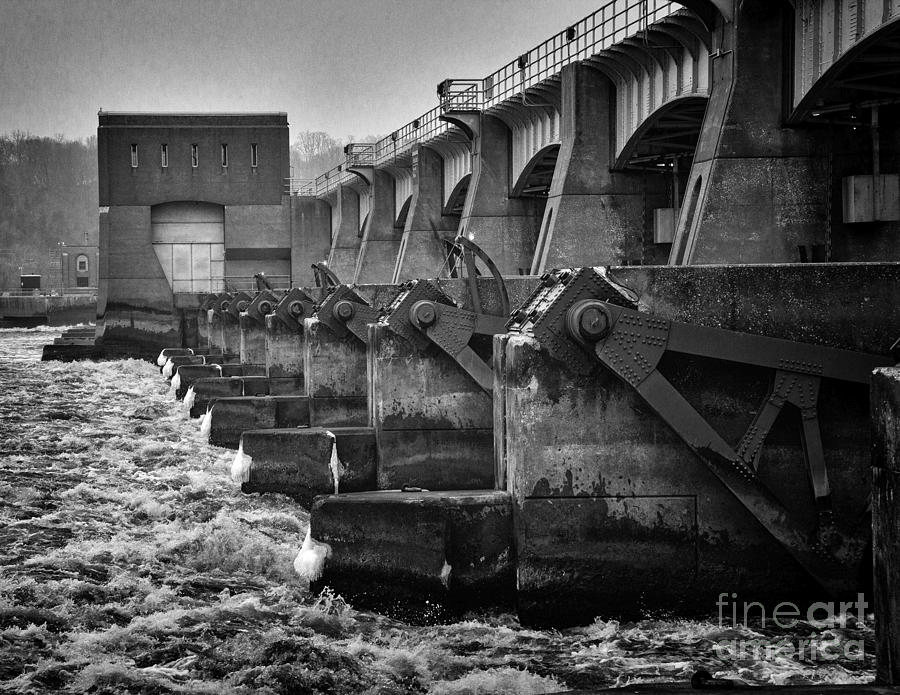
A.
pixel 760 188
pixel 506 228
pixel 614 509
pixel 886 521
pixel 149 183
pixel 422 253
pixel 310 225
pixel 136 304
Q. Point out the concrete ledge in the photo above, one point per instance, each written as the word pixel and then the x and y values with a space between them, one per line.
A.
pixel 418 556
pixel 207 390
pixel 297 462
pixel 341 411
pixel 230 417
pixel 190 373
pixel 436 459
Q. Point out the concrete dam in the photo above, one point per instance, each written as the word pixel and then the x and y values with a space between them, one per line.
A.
pixel 595 335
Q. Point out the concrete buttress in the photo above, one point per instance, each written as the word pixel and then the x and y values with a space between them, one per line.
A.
pixel 422 252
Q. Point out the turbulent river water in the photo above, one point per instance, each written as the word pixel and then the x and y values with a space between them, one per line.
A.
pixel 130 562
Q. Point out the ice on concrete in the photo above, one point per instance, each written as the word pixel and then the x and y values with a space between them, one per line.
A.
pixel 176 384
pixel 336 467
pixel 206 423
pixel 240 467
pixel 310 561
pixel 189 398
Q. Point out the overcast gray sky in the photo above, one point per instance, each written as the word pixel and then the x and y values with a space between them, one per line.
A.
pixel 348 67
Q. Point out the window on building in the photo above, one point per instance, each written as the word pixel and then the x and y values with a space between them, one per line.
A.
pixel 254 155
pixel 164 155
pixel 82 281
pixel 195 156
pixel 81 263
pixel 224 155
pixel 134 156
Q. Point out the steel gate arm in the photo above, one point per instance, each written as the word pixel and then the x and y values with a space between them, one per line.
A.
pixel 775 353
pixel 721 459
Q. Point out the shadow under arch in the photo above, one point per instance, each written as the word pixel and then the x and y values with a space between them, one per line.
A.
pixel 672 130
pixel 537 175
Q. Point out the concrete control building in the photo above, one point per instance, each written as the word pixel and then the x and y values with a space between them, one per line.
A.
pixel 190 204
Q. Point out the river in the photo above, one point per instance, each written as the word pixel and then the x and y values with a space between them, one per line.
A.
pixel 130 562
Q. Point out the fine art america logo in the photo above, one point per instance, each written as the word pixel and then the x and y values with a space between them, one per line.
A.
pixel 825 644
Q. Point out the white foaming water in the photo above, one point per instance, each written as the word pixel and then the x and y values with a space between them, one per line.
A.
pixel 161 360
pixel 167 369
pixel 310 561
pixel 336 467
pixel 189 398
pixel 240 467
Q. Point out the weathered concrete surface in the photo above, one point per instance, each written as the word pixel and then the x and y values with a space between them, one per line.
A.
pixel 380 238
pixel 885 398
pixel 252 347
pixel 419 556
pixel 413 390
pixel 595 473
pixel 757 190
pixel 334 372
pixel 310 236
pixel 283 349
pixel 345 232
pixel 230 417
pixel 189 373
pixel 214 328
pixel 432 420
pixel 422 253
pixel 231 334
pixel 297 462
pixel 593 215
pixel 209 389
pixel 506 228
pixel 54 310
pixel 436 459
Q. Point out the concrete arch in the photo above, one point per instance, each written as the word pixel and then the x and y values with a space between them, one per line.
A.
pixel 457 198
pixel 537 174
pixel 403 213
pixel 857 73
pixel 671 130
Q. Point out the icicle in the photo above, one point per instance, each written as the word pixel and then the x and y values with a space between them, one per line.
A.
pixel 161 360
pixel 310 561
pixel 167 369
pixel 445 575
pixel 189 398
pixel 336 467
pixel 206 423
pixel 176 384
pixel 240 467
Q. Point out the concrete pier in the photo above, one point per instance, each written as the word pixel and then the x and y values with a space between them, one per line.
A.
pixel 886 521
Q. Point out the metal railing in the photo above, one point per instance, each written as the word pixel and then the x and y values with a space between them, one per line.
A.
pixel 299 186
pixel 611 24
pixel 422 129
pixel 359 154
pixel 242 283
